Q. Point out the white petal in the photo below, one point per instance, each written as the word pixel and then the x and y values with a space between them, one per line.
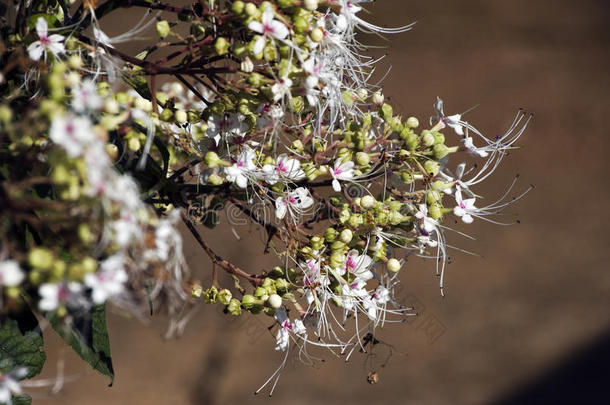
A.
pixel 336 186
pixel 467 218
pixel 279 30
pixel 35 50
pixel 42 28
pixel 259 45
pixel 256 26
pixel 280 208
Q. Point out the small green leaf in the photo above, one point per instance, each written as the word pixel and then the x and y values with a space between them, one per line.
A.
pixel 139 84
pixel 87 334
pixel 23 399
pixel 19 349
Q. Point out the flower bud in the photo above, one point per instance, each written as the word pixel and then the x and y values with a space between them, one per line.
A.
pixel 282 285
pixel 363 158
pixel 197 291
pixel 412 122
pixel 248 301
pixel 247 65
pixel 356 220
pixel 367 202
pixel 224 296
pixel 163 28
pixel 387 111
pixel 221 46
pixel 393 265
pixel 238 7
pixel 111 106
pixel 6 114
pixel 427 138
pixel 316 35
pixel 336 260
pixel 234 307
pixel 330 234
pixel 75 62
pixel 251 9
pixel 134 144
pixel 211 159
pixel 41 258
pixel 310 5
pixel 181 116
pixel 300 25
pixel 317 242
pixel 210 295
pixel 377 98
pixel 260 292
pixel 432 167
pixel 337 245
pixel 435 211
pixel 346 236
pixel 275 301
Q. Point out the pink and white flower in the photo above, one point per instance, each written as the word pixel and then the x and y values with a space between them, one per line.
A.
pixel 286 168
pixel 295 202
pixel 341 171
pixel 73 133
pixel 109 280
pixel 464 207
pixel 269 27
pixel 46 43
pixel 242 169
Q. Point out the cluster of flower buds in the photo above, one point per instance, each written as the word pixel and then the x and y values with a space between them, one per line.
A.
pixel 269 108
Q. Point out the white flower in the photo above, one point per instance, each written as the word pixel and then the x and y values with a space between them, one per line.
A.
pixel 268 27
pixel 281 88
pixel 73 133
pixel 428 224
pixel 220 126
pixel 469 146
pixel 341 171
pixel 313 68
pixel 244 166
pixel 54 294
pixel 85 97
pixel 452 121
pixel 9 384
pixel 285 169
pixel 46 43
pixel 11 274
pixel 464 207
pixel 358 265
pixel 295 202
pixel 109 280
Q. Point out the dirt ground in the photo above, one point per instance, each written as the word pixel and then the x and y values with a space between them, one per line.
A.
pixel 527 320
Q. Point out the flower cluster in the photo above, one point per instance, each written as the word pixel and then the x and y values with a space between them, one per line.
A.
pixel 271 108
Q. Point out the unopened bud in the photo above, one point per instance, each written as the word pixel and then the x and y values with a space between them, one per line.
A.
pixel 346 236
pixel 247 65
pixel 275 301
pixel 367 202
pixel 162 28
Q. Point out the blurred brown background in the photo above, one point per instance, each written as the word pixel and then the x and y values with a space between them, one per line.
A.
pixel 528 323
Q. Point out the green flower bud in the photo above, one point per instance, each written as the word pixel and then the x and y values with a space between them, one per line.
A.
pixel 210 295
pixel 212 160
pixel 41 258
pixel 255 79
pixel 387 111
pixel 297 104
pixel 337 245
pixel 134 144
pixel 438 138
pixel 234 307
pixel 435 211
pixel 215 179
pixel 163 28
pixel 300 25
pixel 356 220
pixel 197 291
pixel 393 265
pixel 362 158
pixel 238 7
pixel 251 10
pixel 440 151
pixel 85 234
pixel 59 269
pixel 344 216
pixel 330 234
pixel 248 301
pixel 260 292
pixel 377 98
pixel 221 46
pixel 281 285
pixel 336 260
pixel 224 296
pixel 75 62
pixel 246 65
pixel 432 167
pixel 317 242
pixel 6 114
pixel 433 196
pixel 396 218
pixel 89 264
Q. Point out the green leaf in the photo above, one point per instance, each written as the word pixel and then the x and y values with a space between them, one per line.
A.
pixel 19 349
pixel 23 399
pixel 87 334
pixel 139 84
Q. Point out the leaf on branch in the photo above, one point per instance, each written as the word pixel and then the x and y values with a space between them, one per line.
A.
pixel 87 334
pixel 20 349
